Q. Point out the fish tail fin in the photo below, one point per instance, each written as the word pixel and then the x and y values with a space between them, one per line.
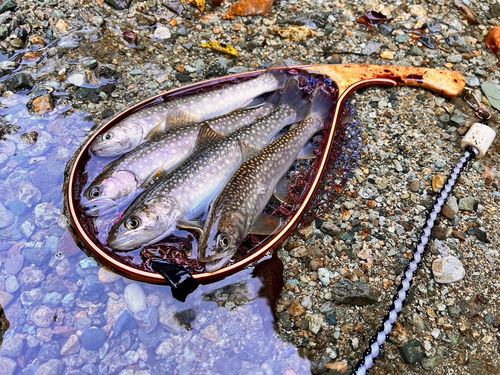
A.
pixel 296 99
pixel 277 71
pixel 257 102
pixel 322 104
pixel 275 98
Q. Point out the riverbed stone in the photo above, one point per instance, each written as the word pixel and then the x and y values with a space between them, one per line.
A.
pixel 52 367
pixel 135 298
pixel 448 270
pixel 19 82
pixel 7 366
pixel 353 293
pixel 6 216
pixel 147 319
pixel 93 338
pixel 118 4
pixel 71 346
pixel 450 208
pixel 31 276
pixel 43 316
pixel 46 214
pixel 12 347
pixel 412 352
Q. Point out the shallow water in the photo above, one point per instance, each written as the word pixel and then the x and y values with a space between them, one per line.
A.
pixel 68 314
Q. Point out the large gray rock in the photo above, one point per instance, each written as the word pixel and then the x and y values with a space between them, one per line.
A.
pixel 135 298
pixel 12 347
pixel 353 293
pixel 52 367
pixel 492 92
pixel 7 366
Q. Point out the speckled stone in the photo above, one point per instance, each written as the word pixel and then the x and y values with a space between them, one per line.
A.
pixel 450 208
pixel 52 367
pixel 296 308
pixel 135 298
pixel 93 338
pixel 7 366
pixel 31 276
pixel 12 347
pixel 71 346
pixel 466 203
pixel 43 316
pixel 447 270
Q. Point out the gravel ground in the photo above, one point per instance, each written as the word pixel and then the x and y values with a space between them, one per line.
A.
pixel 66 67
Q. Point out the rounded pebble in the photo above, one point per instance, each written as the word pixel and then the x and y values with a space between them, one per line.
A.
pixel 135 298
pixel 93 338
pixel 447 270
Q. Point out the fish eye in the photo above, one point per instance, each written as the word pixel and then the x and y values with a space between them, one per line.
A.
pixel 107 136
pixel 132 222
pixel 224 240
pixel 95 192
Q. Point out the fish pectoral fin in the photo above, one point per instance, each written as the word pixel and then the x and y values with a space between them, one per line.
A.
pixel 247 150
pixel 265 224
pixel 281 189
pixel 195 225
pixel 152 178
pixel 307 152
pixel 159 128
pixel 207 136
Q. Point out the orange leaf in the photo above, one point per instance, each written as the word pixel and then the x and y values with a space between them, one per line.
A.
pixel 493 40
pixel 249 8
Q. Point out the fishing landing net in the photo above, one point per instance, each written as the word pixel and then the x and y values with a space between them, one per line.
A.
pixel 341 163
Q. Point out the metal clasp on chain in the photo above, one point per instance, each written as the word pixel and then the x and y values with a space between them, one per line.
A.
pixel 479 108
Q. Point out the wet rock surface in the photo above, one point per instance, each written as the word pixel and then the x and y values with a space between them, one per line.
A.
pixel 59 77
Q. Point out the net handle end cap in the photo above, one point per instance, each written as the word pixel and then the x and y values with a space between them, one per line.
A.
pixel 479 136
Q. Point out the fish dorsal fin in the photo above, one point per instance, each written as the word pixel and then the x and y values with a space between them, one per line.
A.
pixel 195 225
pixel 281 189
pixel 285 63
pixel 255 102
pixel 247 150
pixel 179 117
pixel 159 128
pixel 152 178
pixel 207 136
pixel 307 151
pixel 265 224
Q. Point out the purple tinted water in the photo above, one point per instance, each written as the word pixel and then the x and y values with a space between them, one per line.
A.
pixel 67 314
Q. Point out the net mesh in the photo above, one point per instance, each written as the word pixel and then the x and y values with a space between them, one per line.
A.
pixel 342 161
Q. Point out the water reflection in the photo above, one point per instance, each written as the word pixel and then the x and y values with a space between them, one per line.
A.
pixel 68 314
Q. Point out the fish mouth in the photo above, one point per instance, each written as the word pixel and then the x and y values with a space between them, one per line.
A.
pixel 131 241
pixel 124 241
pixel 98 207
pixel 111 150
pixel 217 264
